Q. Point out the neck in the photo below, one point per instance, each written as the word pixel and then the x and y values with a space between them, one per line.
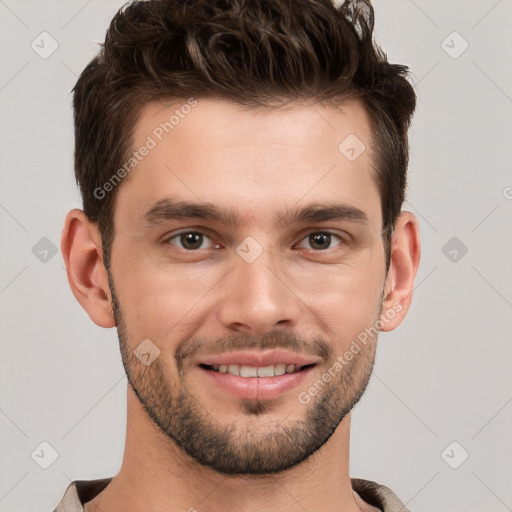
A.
pixel 157 475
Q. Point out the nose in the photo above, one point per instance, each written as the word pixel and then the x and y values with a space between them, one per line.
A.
pixel 257 297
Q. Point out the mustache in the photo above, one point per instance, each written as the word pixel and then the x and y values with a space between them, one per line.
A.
pixel 284 340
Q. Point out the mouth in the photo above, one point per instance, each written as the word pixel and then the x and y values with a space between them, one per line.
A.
pixel 256 375
pixel 273 370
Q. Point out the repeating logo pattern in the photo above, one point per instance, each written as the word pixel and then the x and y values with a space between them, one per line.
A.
pixel 442 394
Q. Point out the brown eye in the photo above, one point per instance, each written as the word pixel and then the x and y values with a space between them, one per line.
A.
pixel 321 240
pixel 189 240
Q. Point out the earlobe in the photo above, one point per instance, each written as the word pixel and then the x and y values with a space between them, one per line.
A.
pixel 405 259
pixel 87 276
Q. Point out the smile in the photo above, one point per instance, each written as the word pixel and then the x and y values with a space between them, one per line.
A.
pixel 256 375
pixel 256 371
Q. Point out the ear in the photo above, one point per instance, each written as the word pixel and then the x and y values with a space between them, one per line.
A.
pixel 403 267
pixel 87 276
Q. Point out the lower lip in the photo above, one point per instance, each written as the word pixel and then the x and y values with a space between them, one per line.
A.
pixel 257 388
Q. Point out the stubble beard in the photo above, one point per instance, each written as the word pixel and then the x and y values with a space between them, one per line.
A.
pixel 234 448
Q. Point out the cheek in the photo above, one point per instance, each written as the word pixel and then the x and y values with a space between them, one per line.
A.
pixel 165 302
pixel 158 300
pixel 344 299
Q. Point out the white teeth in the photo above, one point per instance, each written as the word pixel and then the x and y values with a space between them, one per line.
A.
pixel 248 371
pixel 266 371
pixel 234 369
pixel 279 369
pixel 290 368
pixel 256 371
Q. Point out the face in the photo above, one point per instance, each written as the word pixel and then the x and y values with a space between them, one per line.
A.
pixel 247 259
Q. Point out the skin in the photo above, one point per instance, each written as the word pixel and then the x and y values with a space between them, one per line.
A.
pixel 257 163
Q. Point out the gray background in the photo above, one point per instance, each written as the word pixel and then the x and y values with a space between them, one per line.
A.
pixel 442 377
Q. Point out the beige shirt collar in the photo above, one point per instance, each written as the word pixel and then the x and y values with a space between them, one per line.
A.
pixel 79 492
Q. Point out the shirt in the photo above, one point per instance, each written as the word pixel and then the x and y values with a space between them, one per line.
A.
pixel 79 492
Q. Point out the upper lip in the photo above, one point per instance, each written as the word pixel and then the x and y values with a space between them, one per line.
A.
pixel 258 358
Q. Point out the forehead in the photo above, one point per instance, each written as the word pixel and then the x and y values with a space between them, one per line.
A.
pixel 220 120
pixel 213 150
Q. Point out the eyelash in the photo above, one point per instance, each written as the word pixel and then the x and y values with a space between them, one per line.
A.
pixel 168 239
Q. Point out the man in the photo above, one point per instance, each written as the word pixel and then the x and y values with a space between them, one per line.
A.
pixel 242 166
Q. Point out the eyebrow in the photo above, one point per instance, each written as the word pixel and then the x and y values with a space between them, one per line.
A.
pixel 169 208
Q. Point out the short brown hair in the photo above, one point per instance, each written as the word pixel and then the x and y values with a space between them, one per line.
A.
pixel 256 53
